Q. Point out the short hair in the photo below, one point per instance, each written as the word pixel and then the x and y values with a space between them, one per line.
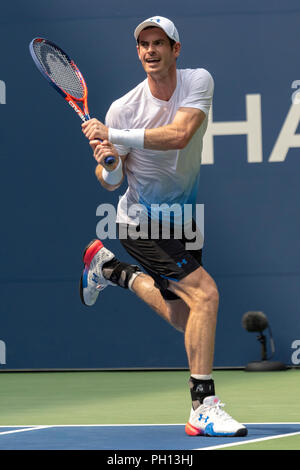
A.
pixel 171 41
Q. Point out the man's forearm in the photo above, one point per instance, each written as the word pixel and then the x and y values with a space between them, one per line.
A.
pixel 175 135
pixel 167 137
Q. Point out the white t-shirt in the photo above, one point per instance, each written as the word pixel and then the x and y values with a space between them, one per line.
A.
pixel 159 179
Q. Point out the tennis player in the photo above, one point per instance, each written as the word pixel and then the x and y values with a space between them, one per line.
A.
pixel 155 133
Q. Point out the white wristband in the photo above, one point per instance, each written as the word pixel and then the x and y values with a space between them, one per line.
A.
pixel 133 138
pixel 114 176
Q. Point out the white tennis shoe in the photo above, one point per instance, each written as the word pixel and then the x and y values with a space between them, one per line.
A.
pixel 209 419
pixel 92 280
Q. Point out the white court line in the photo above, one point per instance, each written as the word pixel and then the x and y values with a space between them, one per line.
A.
pixel 21 430
pixel 249 441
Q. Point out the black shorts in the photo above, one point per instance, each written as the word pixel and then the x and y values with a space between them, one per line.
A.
pixel 163 259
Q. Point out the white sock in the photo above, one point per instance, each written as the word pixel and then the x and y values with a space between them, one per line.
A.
pixel 201 377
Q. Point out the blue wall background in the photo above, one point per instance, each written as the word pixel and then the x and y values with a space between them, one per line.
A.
pixel 49 193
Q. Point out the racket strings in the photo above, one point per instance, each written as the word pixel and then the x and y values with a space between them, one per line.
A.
pixel 59 68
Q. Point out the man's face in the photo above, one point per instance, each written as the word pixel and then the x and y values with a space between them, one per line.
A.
pixel 155 52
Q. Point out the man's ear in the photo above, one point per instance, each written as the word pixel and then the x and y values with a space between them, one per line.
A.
pixel 177 49
pixel 138 50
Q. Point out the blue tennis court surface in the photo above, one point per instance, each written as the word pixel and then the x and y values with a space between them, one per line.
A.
pixel 124 437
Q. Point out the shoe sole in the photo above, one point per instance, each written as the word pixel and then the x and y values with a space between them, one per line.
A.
pixel 87 256
pixel 193 431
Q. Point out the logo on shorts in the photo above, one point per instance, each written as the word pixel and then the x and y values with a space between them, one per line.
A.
pixel 180 263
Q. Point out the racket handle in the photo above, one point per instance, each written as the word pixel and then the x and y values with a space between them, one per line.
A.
pixel 108 160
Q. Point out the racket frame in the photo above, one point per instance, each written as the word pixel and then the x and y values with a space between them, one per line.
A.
pixel 71 100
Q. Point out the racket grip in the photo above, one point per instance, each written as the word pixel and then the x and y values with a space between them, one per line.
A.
pixel 109 160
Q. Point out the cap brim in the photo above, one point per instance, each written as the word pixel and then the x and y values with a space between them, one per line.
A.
pixel 144 25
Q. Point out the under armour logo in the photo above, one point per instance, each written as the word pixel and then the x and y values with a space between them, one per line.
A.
pixel 155 19
pixel 201 416
pixel 180 263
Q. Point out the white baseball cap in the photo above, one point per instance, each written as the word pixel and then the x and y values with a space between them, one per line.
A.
pixel 160 22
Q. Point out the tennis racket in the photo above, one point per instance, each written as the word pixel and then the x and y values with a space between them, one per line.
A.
pixel 64 75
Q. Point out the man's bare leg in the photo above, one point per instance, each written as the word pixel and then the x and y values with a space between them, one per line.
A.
pixel 175 312
pixel 195 313
pixel 198 290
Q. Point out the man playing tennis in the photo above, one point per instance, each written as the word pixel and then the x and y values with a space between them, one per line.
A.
pixel 155 133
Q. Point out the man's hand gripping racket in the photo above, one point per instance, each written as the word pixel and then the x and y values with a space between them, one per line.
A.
pixel 65 77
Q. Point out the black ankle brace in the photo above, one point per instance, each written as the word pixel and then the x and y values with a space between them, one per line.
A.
pixel 201 389
pixel 119 273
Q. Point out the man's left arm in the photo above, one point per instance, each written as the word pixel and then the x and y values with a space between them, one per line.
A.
pixel 171 136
